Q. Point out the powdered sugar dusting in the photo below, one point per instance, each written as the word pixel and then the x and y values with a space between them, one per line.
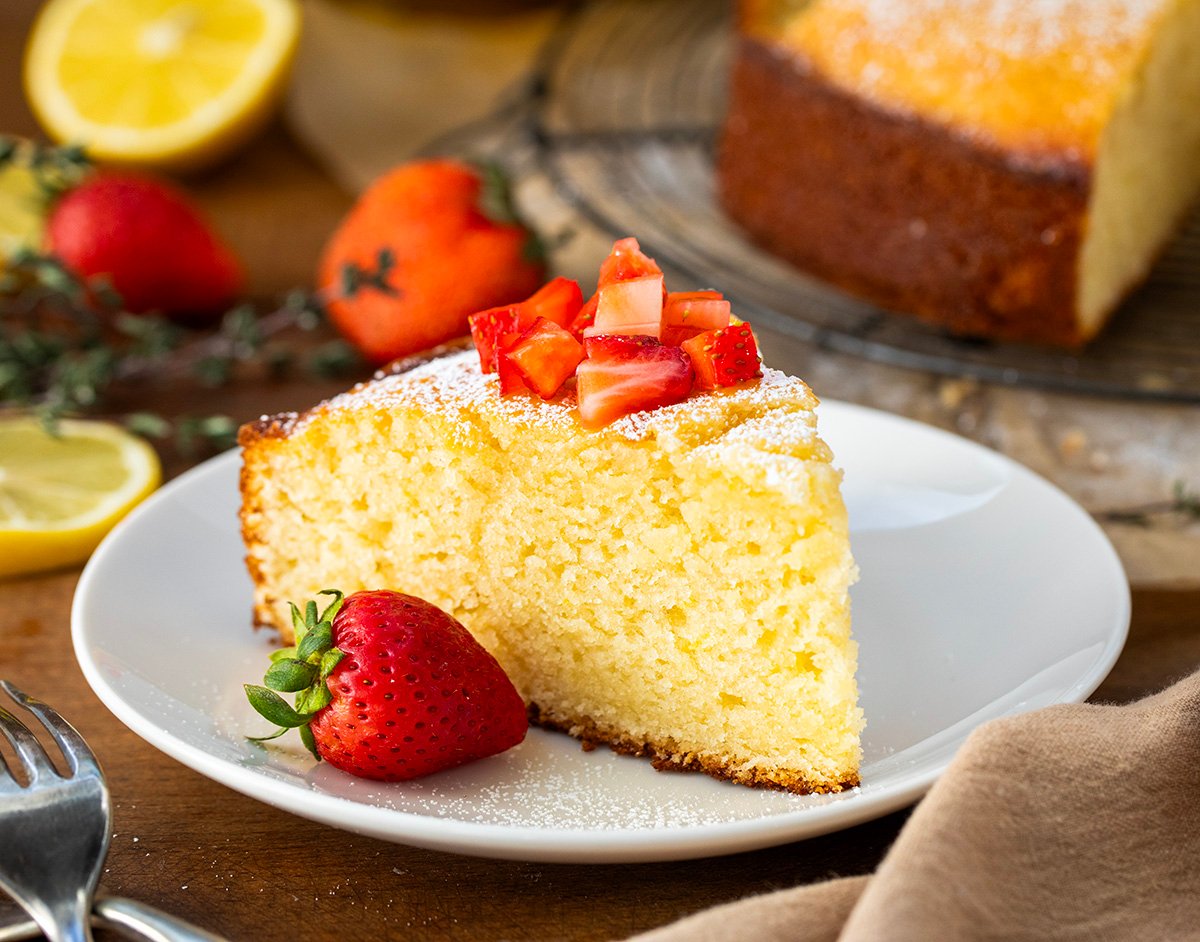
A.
pixel 454 387
pixel 1037 76
pixel 1019 29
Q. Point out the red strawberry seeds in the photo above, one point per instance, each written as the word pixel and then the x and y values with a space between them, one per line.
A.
pixel 724 357
pixel 397 689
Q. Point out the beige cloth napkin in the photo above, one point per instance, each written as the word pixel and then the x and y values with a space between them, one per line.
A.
pixel 377 82
pixel 1077 822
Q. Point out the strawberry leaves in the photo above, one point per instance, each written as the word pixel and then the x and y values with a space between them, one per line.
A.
pixel 407 692
pixel 290 675
pixel 302 669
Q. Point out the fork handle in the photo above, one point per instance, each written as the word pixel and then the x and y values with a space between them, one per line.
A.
pixel 126 915
pixel 149 923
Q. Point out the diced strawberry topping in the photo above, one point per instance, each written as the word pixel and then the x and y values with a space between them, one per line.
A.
pixel 558 301
pixel 706 310
pixel 626 262
pixel 630 307
pixel 678 336
pixel 511 380
pixel 586 316
pixel 545 355
pixel 688 314
pixel 724 357
pixel 624 374
pixel 641 347
pixel 493 329
pixel 704 294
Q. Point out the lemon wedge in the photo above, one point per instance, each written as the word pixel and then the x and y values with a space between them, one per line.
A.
pixel 167 84
pixel 59 495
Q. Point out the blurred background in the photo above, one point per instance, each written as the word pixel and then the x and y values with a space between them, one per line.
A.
pixel 601 116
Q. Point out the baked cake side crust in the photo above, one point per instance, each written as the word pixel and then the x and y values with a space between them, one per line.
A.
pixel 907 214
pixel 666 756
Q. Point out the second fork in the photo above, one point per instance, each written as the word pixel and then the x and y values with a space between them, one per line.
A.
pixel 54 829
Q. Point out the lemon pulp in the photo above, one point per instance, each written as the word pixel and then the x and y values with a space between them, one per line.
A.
pixel 60 494
pixel 161 82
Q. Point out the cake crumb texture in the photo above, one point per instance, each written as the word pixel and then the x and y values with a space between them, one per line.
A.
pixel 674 585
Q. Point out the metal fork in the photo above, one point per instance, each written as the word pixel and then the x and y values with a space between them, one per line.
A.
pixel 55 829
pixel 30 832
pixel 124 915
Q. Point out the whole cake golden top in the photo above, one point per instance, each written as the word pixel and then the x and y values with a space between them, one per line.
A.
pixel 1035 76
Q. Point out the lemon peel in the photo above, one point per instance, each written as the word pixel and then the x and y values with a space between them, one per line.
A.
pixel 60 494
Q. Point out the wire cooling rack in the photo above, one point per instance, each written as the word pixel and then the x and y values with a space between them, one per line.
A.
pixel 627 106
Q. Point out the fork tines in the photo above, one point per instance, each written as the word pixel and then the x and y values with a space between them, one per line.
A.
pixel 35 761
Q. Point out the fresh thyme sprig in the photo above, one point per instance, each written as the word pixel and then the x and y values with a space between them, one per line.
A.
pixel 1184 503
pixel 65 344
pixel 55 169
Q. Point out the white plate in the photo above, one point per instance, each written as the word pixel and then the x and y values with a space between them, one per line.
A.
pixel 984 592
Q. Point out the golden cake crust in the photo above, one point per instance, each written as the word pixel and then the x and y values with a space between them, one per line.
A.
pixel 1028 78
pixel 899 210
pixel 972 162
pixel 668 757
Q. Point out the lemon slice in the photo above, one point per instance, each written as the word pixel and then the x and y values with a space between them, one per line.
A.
pixel 171 84
pixel 22 210
pixel 60 495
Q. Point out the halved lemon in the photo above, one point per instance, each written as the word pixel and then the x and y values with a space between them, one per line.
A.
pixel 172 84
pixel 60 494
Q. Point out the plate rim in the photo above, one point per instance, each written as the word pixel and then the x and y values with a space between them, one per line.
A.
pixel 569 845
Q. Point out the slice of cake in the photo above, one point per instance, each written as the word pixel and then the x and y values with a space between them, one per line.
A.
pixel 647 534
pixel 1005 169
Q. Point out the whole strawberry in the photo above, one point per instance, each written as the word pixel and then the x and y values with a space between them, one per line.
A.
pixel 456 247
pixel 390 687
pixel 154 246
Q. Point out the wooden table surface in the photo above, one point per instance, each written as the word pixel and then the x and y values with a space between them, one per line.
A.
pixel 249 871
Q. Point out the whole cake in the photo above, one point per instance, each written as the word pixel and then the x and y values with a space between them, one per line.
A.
pixel 1004 168
pixel 673 583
